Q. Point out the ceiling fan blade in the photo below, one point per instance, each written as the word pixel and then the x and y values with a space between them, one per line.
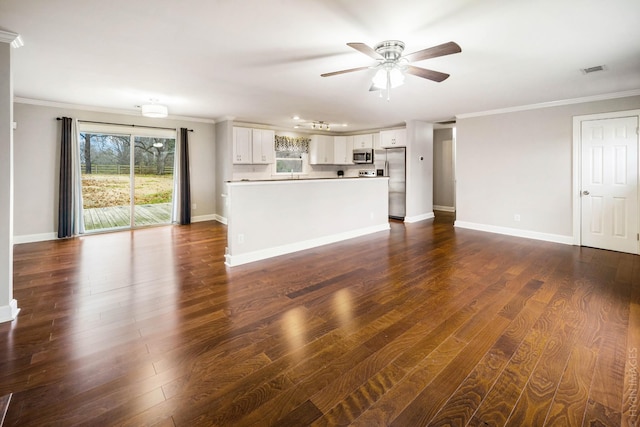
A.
pixel 350 70
pixel 363 48
pixel 433 52
pixel 436 76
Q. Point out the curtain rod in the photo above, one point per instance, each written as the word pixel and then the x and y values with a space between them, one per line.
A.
pixel 124 124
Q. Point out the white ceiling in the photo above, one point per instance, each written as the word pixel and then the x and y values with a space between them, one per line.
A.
pixel 260 61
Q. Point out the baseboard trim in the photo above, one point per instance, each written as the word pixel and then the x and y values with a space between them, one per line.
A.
pixel 444 208
pixel 235 260
pixel 31 238
pixel 417 218
pixel 202 218
pixel 43 237
pixel 9 312
pixel 527 234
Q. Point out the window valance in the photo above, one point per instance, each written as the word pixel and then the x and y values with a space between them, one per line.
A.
pixel 287 143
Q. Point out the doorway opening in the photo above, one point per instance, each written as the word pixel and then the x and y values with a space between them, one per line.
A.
pixel 444 171
pixel 127 177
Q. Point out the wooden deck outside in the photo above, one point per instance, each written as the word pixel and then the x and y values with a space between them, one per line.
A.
pixel 119 216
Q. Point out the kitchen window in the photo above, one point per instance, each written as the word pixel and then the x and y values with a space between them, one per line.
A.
pixel 291 154
pixel 289 162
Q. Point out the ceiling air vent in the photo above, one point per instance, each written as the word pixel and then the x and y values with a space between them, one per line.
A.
pixel 593 69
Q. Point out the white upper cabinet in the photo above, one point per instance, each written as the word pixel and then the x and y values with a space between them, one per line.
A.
pixel 242 145
pixel 343 150
pixel 363 141
pixel 253 146
pixel 321 150
pixel 263 143
pixel 393 138
pixel 376 141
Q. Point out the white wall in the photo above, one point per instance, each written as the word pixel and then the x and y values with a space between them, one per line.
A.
pixel 37 157
pixel 419 171
pixel 520 163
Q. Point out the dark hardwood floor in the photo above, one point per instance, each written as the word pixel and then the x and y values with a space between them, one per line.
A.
pixel 422 325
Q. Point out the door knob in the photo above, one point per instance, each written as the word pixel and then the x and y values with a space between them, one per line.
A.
pixel 585 193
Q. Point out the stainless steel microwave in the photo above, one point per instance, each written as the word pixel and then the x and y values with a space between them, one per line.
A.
pixel 363 155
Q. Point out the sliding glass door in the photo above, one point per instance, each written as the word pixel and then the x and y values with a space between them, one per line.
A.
pixel 127 179
pixel 153 180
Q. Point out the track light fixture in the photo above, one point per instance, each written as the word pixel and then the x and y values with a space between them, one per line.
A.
pixel 321 125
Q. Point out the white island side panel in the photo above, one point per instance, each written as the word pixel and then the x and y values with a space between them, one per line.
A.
pixel 271 218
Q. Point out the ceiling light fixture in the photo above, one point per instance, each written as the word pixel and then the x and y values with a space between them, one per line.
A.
pixel 154 110
pixel 388 76
pixel 321 125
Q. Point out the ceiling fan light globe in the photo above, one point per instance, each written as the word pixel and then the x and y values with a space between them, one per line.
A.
pixel 380 79
pixel 397 77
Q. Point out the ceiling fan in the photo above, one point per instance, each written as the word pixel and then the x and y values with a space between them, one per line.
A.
pixel 392 65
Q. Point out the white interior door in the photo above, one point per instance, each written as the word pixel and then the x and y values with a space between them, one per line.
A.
pixel 609 193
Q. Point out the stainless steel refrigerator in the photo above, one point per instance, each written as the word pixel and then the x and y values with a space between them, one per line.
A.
pixel 393 161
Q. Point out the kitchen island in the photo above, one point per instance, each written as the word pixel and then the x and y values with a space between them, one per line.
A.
pixel 272 218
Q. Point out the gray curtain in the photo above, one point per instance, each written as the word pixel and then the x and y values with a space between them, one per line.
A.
pixel 65 200
pixel 185 186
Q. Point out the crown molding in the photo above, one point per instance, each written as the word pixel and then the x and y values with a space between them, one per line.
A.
pixel 559 103
pixel 12 38
pixel 53 104
pixel 7 36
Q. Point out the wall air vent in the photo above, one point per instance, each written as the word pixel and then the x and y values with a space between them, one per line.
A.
pixel 593 69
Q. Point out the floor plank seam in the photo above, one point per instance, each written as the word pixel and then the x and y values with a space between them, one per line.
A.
pixel 4 407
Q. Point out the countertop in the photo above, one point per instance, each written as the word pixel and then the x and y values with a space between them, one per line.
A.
pixel 304 179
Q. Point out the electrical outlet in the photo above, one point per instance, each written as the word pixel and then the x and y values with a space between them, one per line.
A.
pixel 516 217
pixel 240 238
pixel 371 215
pixel 194 206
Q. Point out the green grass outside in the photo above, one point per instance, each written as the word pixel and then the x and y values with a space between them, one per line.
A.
pixel 99 191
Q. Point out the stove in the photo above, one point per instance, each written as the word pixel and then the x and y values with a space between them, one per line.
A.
pixel 367 173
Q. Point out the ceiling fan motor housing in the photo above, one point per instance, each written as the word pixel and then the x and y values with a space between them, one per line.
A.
pixel 390 50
